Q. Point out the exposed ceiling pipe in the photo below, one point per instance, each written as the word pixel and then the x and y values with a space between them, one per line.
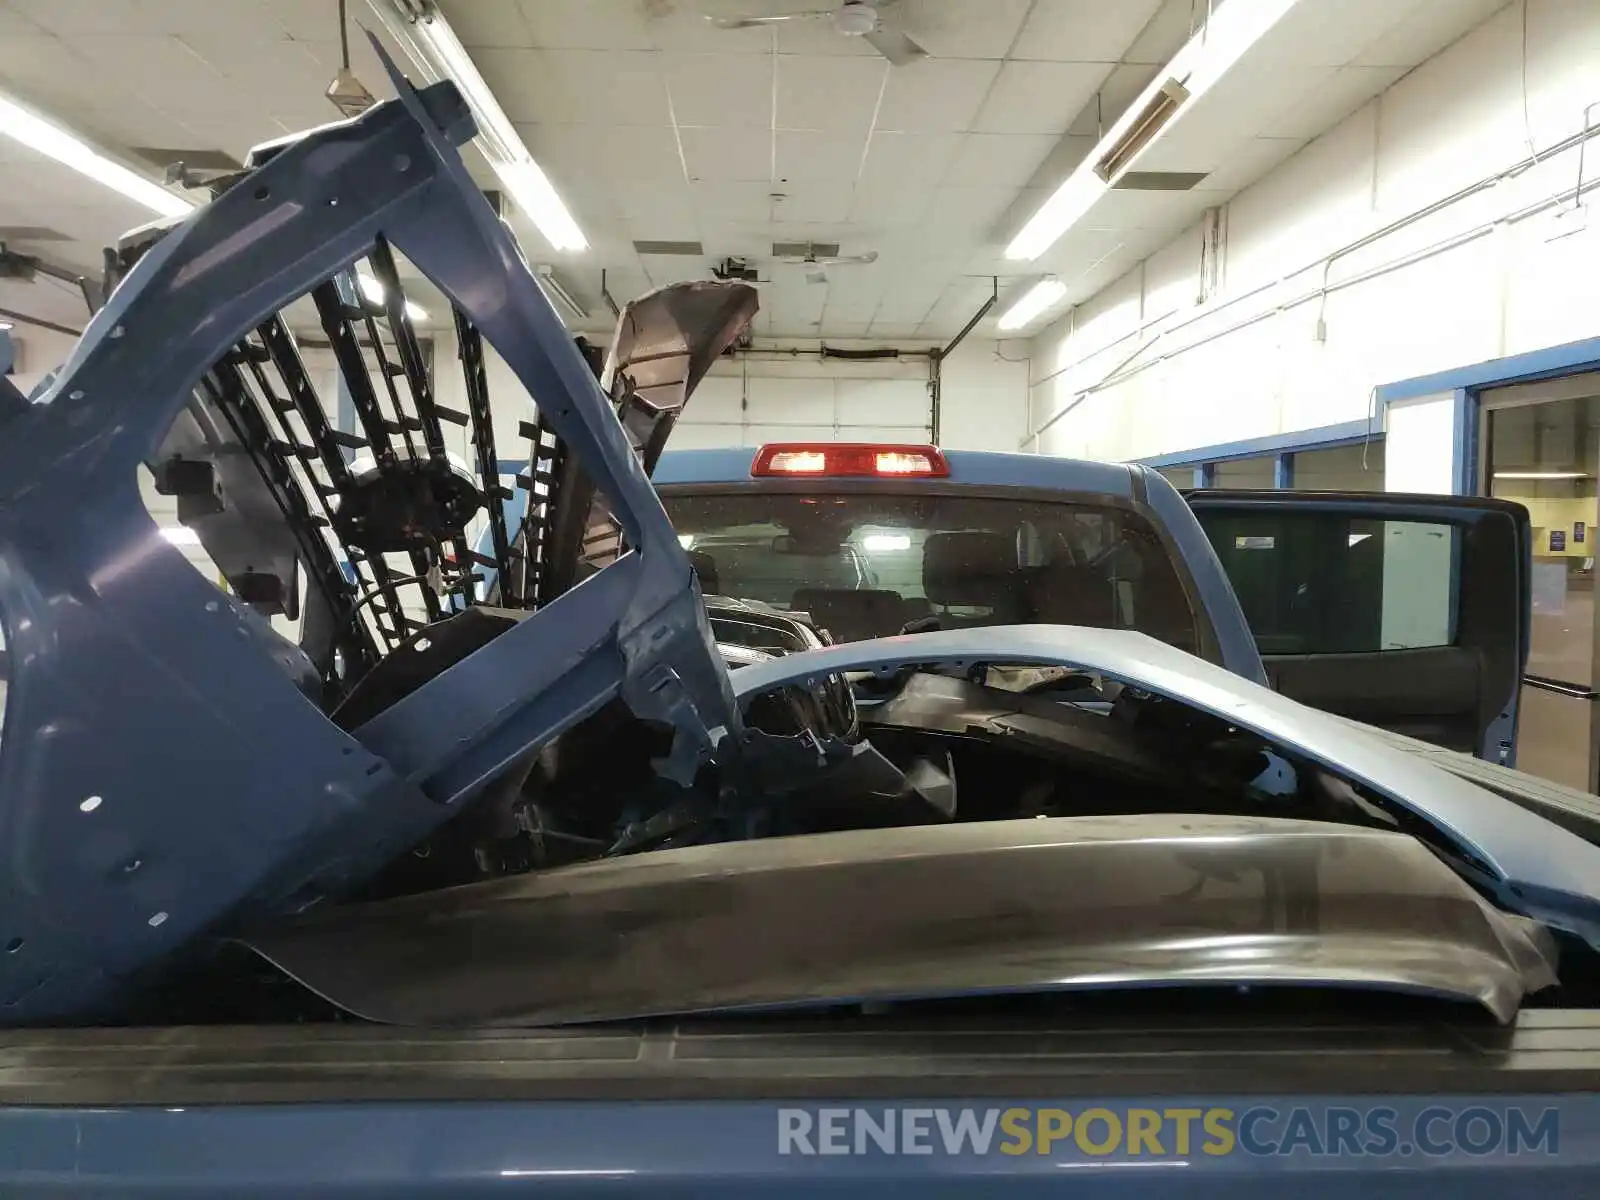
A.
pixel 7 314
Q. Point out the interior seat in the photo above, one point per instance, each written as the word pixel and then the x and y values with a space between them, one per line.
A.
pixel 852 614
pixel 972 570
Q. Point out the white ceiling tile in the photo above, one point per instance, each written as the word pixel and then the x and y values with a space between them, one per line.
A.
pixel 985 159
pixel 634 154
pixel 582 24
pixel 1166 33
pixel 577 87
pixel 889 205
pixel 247 20
pixel 1039 97
pixel 716 155
pixel 720 89
pixel 816 155
pixel 815 202
pixel 950 29
pixel 1083 30
pixel 904 163
pixel 716 202
pixel 494 24
pixel 936 96
pixel 822 92
pixel 83 16
pixel 16 24
pixel 672 203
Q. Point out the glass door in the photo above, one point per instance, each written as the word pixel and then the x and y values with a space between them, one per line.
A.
pixel 1542 449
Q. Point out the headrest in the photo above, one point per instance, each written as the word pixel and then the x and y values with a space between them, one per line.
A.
pixel 852 614
pixel 969 568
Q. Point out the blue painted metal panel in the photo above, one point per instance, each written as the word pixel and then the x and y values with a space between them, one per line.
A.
pixel 161 772
pixel 977 467
pixel 1532 866
pixel 1549 363
pixel 1321 438
pixel 1495 1147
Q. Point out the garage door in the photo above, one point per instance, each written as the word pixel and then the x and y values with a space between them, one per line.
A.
pixel 746 404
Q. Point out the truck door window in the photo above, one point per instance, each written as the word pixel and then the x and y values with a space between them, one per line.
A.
pixel 1324 583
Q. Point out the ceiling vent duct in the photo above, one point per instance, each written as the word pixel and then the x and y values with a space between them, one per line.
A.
pixel 670 249
pixel 805 249
pixel 1158 181
pixel 1150 122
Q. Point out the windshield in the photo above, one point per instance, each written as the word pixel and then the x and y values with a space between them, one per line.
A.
pixel 871 564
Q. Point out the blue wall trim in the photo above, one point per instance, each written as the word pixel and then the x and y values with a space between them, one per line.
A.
pixel 1283 470
pixel 1321 438
pixel 1566 359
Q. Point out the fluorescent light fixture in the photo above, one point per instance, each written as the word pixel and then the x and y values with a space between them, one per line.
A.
pixel 1034 301
pixel 556 292
pixel 52 141
pixel 373 291
pixel 6 326
pixel 686 540
pixel 433 46
pixel 1541 475
pixel 1206 58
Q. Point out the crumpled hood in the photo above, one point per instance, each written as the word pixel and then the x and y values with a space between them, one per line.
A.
pixel 1537 867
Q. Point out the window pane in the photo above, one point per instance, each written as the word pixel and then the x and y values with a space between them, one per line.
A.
pixel 867 564
pixel 1321 583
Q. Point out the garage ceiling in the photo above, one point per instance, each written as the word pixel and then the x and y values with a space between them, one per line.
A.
pixel 658 127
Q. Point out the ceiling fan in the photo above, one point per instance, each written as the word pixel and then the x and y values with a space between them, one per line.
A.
pixel 853 18
pixel 817 265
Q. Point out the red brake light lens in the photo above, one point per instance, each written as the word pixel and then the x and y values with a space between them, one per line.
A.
pixel 853 459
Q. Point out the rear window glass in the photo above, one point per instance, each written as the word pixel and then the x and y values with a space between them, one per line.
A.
pixel 1322 583
pixel 869 565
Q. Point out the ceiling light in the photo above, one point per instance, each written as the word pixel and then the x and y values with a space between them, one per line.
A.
pixel 1207 56
pixel 69 150
pixel 6 326
pixel 1033 302
pixel 373 291
pixel 432 45
pixel 557 293
pixel 1541 475
pixel 180 535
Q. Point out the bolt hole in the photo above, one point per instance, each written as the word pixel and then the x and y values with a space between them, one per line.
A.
pixel 212 606
pixel 423 643
pixel 159 918
pixel 262 192
pixel 374 768
pixel 117 332
pixel 333 202
pixel 90 803
pixel 14 945
pixel 402 162
pixel 75 395
pixel 132 865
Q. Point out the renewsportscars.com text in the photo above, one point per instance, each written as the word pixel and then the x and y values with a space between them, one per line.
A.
pixel 1170 1132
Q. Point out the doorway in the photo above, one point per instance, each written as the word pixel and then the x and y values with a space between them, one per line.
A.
pixel 1541 445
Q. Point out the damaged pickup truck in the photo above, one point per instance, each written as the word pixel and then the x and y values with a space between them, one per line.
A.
pixel 539 803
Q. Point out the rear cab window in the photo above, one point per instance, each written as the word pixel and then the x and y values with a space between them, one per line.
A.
pixel 868 562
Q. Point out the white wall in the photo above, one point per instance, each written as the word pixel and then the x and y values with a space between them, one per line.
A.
pixel 1144 368
pixel 39 351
